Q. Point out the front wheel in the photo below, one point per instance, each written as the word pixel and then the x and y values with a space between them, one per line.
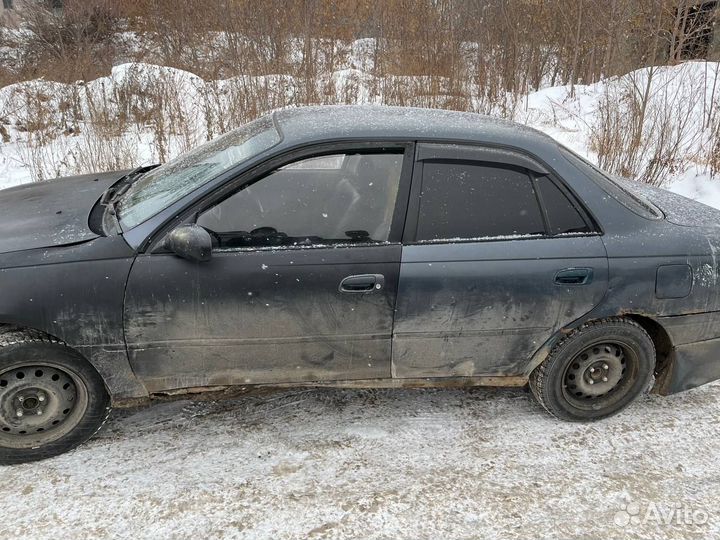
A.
pixel 596 371
pixel 51 399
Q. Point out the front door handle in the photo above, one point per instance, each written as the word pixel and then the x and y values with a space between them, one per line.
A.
pixel 574 276
pixel 362 283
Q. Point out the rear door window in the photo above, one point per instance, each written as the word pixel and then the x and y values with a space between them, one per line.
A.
pixel 473 200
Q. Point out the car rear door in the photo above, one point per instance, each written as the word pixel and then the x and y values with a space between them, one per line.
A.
pixel 498 255
pixel 301 284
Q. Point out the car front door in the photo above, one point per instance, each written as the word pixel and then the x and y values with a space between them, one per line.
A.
pixel 499 255
pixel 301 283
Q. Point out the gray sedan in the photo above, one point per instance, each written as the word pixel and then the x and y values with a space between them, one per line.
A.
pixel 349 246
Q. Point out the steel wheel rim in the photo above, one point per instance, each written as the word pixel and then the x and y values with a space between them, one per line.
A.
pixel 600 375
pixel 39 403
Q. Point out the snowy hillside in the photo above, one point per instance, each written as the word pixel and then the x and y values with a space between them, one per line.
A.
pixel 684 95
pixel 143 113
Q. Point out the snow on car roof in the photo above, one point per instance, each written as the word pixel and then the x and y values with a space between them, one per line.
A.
pixel 379 121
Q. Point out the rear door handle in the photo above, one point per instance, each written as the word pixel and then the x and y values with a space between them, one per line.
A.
pixel 362 283
pixel 574 276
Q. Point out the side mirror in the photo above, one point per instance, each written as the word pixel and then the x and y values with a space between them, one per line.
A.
pixel 190 242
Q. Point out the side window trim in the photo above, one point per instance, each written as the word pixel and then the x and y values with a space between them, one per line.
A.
pixel 538 197
pixel 455 152
pixel 422 155
pixel 413 205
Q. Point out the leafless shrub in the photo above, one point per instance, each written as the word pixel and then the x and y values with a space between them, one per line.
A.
pixel 711 120
pixel 45 157
pixel 77 42
pixel 645 129
pixel 96 151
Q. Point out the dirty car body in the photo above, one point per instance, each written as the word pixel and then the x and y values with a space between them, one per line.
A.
pixel 359 246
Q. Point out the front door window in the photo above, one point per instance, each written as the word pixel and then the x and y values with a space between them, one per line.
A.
pixel 343 198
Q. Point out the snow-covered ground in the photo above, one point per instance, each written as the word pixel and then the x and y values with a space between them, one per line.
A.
pixel 388 464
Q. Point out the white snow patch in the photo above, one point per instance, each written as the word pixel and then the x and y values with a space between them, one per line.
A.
pixel 698 186
pixel 376 464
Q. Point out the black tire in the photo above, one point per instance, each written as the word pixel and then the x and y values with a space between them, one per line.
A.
pixel 51 398
pixel 596 371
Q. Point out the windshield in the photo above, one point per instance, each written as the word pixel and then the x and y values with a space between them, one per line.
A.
pixel 161 187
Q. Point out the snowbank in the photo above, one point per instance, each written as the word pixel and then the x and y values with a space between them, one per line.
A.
pixel 76 121
pixel 686 95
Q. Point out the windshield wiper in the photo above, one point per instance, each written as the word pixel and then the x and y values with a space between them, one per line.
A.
pixel 115 191
pixel 112 195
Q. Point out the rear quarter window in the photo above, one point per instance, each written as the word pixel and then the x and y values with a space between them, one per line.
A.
pixel 563 216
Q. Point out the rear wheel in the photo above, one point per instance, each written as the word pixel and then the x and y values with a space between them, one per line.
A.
pixel 596 371
pixel 51 399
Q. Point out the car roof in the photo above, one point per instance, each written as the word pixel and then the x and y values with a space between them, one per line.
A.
pixel 333 122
